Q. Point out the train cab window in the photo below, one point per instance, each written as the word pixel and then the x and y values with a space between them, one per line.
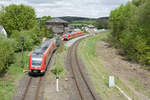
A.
pixel 36 62
pixel 66 35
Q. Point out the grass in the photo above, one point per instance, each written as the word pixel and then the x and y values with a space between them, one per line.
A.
pixel 9 82
pixel 14 73
pixel 137 84
pixel 98 72
pixel 58 61
pixel 84 22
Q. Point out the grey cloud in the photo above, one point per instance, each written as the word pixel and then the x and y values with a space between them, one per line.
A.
pixel 113 2
pixel 84 8
pixel 42 1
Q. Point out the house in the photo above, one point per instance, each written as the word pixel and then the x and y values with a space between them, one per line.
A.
pixel 58 25
pixel 90 28
pixel 3 31
pixel 69 29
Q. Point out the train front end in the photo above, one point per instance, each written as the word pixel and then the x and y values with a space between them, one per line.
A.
pixel 36 64
pixel 67 36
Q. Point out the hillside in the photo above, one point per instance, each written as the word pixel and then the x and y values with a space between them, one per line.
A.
pixel 71 19
pixel 100 23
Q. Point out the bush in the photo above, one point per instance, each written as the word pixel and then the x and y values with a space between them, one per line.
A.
pixel 7 47
pixel 31 38
pixel 28 41
pixel 50 33
pixel 58 70
pixel 135 48
pixel 35 34
pixel 43 31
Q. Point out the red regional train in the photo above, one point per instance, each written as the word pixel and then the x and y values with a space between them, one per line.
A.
pixel 39 59
pixel 68 36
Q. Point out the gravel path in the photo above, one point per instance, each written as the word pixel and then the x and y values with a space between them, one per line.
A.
pixel 66 84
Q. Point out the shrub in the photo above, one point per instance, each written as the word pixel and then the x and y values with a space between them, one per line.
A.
pixel 43 31
pixel 31 38
pixel 50 33
pixel 7 47
pixel 58 70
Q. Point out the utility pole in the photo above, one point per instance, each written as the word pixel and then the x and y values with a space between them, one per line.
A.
pixel 39 25
pixel 22 42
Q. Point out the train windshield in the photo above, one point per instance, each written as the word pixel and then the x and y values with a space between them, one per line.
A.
pixel 66 35
pixel 36 62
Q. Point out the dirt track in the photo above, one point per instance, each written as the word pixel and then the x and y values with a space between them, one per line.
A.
pixel 137 79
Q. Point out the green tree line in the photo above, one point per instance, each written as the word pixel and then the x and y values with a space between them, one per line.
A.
pixel 44 31
pixel 18 20
pixel 102 23
pixel 130 25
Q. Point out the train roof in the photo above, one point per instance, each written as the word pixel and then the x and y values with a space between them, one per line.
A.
pixel 40 50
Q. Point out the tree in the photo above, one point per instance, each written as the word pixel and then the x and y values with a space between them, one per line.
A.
pixel 1 14
pixel 43 19
pixel 138 2
pixel 18 17
pixel 50 33
pixel 31 38
pixel 130 30
pixel 43 27
pixel 102 23
pixel 6 53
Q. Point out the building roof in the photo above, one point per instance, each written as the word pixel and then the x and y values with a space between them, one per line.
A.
pixel 56 20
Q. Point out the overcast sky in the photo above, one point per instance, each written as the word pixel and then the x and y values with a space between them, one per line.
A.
pixel 82 8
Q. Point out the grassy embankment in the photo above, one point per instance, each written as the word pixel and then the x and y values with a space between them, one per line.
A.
pixel 138 86
pixel 98 72
pixel 10 80
pixel 57 63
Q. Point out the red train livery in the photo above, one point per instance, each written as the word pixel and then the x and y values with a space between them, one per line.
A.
pixel 68 36
pixel 39 59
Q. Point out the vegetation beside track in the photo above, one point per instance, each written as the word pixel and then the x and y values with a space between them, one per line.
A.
pixel 22 23
pixel 98 73
pixel 10 80
pixel 130 31
pixel 58 61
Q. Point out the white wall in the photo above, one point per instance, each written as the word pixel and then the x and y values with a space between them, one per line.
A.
pixel 4 32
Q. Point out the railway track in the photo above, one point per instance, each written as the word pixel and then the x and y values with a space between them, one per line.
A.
pixel 33 89
pixel 29 89
pixel 84 88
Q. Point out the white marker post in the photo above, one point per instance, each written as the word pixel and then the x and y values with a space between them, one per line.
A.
pixel 57 87
pixel 111 81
